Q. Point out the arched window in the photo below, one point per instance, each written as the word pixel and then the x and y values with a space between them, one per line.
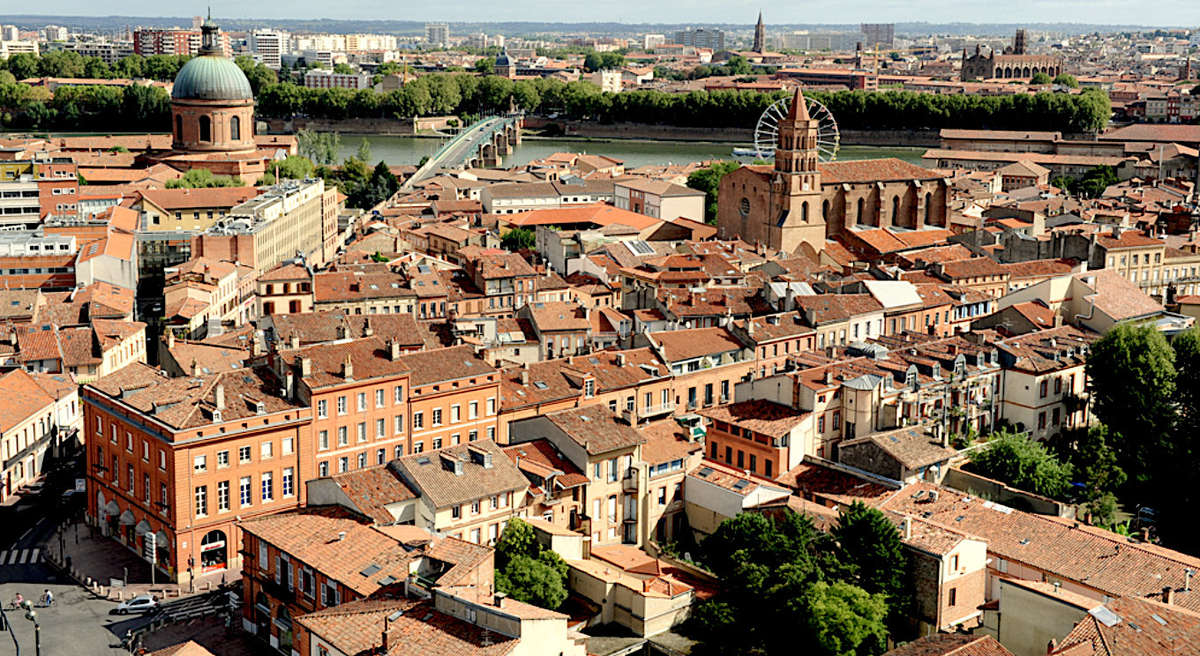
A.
pixel 205 128
pixel 804 212
pixel 928 208
pixel 235 128
pixel 178 127
pixel 825 210
pixel 895 209
pixel 859 216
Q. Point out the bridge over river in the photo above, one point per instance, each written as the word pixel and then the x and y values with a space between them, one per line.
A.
pixel 483 143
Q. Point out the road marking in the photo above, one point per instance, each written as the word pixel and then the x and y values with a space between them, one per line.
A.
pixel 24 555
pixel 12 556
pixel 33 557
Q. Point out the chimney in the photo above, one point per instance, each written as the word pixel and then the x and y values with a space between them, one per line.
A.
pixel 393 349
pixel 305 365
pixel 1187 580
pixel 341 331
pixel 368 331
pixel 828 376
pixel 1168 595
pixel 195 368
pixel 525 377
pixel 620 359
pixel 341 536
pixel 907 528
pixel 294 341
pixel 498 599
pixel 1051 646
pixel 348 368
pixel 289 384
pixel 170 339
pixel 789 299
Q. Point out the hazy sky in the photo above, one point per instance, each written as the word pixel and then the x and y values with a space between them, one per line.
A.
pixel 1160 12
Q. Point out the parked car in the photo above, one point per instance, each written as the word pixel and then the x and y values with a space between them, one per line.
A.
pixel 138 604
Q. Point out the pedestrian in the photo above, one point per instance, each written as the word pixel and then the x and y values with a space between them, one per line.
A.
pixel 47 598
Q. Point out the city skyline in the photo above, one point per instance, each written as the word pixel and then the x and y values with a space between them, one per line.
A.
pixel 739 12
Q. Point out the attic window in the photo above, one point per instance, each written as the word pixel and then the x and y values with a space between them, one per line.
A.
pixel 423 461
pixel 370 569
pixel 540 385
pixel 741 485
pixel 704 473
pixel 387 580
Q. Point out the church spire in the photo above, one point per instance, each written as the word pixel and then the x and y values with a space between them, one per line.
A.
pixel 760 35
pixel 798 111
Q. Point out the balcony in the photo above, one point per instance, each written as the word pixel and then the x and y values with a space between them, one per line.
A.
pixel 629 484
pixel 656 410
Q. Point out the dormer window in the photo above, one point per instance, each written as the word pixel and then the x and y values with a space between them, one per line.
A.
pixel 589 388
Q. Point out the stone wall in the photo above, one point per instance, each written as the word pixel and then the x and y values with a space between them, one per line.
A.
pixel 997 491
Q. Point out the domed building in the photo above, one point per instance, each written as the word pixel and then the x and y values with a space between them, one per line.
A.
pixel 503 66
pixel 212 106
pixel 212 117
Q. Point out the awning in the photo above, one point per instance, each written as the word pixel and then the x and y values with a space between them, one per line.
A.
pixel 160 541
pixel 112 508
pixel 127 518
pixel 142 528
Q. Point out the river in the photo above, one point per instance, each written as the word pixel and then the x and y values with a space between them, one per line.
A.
pixel 409 150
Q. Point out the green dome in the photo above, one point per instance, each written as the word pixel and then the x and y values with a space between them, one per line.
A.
pixel 211 77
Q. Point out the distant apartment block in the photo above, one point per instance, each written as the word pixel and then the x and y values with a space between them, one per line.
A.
pixel 878 34
pixel 437 34
pixel 269 46
pixel 650 41
pixel 318 78
pixel 148 42
pixel 700 37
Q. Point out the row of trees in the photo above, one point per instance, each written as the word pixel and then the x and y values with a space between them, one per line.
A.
pixel 101 108
pixel 786 587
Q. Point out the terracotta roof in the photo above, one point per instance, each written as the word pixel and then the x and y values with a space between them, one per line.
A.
pixel 667 441
pixel 558 316
pixel 951 644
pixel 202 198
pixel 433 475
pixel 1133 627
pixel 542 459
pixel 1093 558
pixel 1116 296
pixel 189 648
pixel 596 428
pixel 833 308
pixel 23 398
pixel 598 214
pixel 911 447
pixel 677 345
pixel 371 489
pixel 317 327
pixel 420 628
pixel 765 417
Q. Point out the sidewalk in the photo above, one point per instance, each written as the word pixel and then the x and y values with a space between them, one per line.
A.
pixel 103 560
pixel 210 633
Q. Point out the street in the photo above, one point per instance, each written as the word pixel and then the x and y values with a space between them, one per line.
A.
pixel 77 623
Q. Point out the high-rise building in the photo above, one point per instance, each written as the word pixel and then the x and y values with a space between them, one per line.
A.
pixel 700 37
pixel 437 34
pixel 270 46
pixel 878 34
pixel 651 41
pixel 55 33
pixel 479 40
pixel 9 33
pixel 760 35
pixel 148 42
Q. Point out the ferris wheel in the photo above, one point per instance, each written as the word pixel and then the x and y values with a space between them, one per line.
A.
pixel 766 132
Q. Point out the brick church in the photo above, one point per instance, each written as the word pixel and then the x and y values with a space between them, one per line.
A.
pixel 800 200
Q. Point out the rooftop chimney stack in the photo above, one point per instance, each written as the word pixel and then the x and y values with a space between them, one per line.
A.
pixel 1168 595
pixel 305 367
pixel 393 349
pixel 219 395
pixel 348 368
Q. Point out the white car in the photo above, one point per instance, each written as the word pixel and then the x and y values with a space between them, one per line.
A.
pixel 138 604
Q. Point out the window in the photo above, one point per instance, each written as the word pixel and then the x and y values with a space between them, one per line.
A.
pixel 456 512
pixel 323 440
pixel 662 496
pixel 222 459
pixel 205 128
pixel 343 436
pixel 612 470
pixel 475 507
pixel 222 496
pixel 146 487
pixel 289 446
pixel 162 459
pixel 179 127
pixel 455 413
pixel 491 406
pixel 202 501
pixel 200 464
pixel 473 410
pixel 162 497
pixel 379 398
pixel 362 460
pixel 243 454
pixel 491 433
pixel 323 469
pixel 418 420
pixel 437 416
pixel 343 464
pixel 146 452
pixel 398 394
pixel 437 443
pixel 1042 389
pixel 244 491
pixel 235 128
pixel 1041 421
pixel 362 401
pixel 267 450
pixel 1058 385
pixel 380 428
pixel 399 423
pixel 341 405
pixel 322 409
pixel 362 431
pixel 286 482
pixel 953 597
pixel 268 487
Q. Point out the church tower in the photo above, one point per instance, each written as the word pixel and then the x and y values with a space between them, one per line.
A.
pixel 796 200
pixel 760 36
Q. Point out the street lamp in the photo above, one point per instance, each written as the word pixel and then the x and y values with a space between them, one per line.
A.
pixel 31 615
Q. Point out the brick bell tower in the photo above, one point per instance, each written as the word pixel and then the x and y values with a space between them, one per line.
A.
pixel 796 210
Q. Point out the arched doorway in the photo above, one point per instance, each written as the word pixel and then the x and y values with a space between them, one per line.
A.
pixel 213 552
pixel 896 210
pixel 262 616
pixel 825 210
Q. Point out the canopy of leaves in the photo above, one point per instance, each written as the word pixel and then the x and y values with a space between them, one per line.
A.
pixel 844 620
pixel 1023 463
pixel 518 238
pixel 526 571
pixel 200 178
pixel 866 538
pixel 708 180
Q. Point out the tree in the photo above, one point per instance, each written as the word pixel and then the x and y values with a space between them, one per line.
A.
pixel 1093 461
pixel 1023 463
pixel 295 167
pixel 517 239
pixel 257 74
pixel 526 571
pixel 364 150
pixel 1066 80
pixel 343 69
pixel 320 147
pixel 866 538
pixel 844 620
pixel 1132 372
pixel 708 180
pixel 485 66
pixel 1039 78
pixel 200 178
